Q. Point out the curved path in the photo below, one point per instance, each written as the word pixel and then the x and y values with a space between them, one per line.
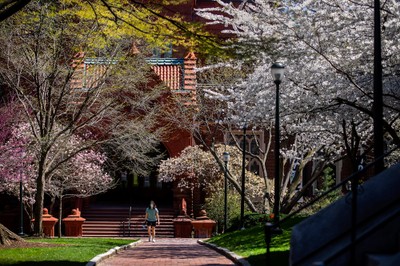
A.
pixel 168 252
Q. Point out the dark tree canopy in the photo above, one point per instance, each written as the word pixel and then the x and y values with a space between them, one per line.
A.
pixel 10 7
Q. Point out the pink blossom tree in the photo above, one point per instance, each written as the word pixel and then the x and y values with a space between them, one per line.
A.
pixel 76 175
pixel 104 95
pixel 82 176
pixel 9 177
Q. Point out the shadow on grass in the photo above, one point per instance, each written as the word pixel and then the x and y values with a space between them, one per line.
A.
pixel 278 258
pixel 46 263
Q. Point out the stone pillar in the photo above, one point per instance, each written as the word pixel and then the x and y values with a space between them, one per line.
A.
pixel 73 223
pixel 189 82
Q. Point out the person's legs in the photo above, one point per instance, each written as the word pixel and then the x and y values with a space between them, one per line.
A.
pixel 154 233
pixel 149 231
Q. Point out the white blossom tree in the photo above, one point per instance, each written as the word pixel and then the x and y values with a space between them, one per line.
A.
pixel 327 93
pixel 196 167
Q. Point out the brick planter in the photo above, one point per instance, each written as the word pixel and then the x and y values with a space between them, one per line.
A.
pixel 183 227
pixel 73 223
pixel 48 223
pixel 203 226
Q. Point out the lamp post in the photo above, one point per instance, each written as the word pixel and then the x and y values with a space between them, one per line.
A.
pixel 21 190
pixel 243 178
pixel 226 157
pixel 21 230
pixel 378 94
pixel 277 71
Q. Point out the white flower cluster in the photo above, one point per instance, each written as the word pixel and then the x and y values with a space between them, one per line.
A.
pixel 327 48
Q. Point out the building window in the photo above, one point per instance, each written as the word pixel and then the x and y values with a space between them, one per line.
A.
pixel 135 180
pixel 254 144
pixel 159 184
pixel 254 149
pixel 255 167
pixel 147 181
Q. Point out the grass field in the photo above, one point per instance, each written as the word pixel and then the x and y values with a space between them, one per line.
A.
pixel 250 244
pixel 61 252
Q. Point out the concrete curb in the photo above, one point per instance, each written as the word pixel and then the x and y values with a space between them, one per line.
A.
pixel 111 252
pixel 227 253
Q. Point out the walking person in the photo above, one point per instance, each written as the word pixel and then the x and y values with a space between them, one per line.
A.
pixel 152 218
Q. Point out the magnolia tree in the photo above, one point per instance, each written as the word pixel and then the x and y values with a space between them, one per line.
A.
pixel 80 176
pixel 326 97
pixel 8 117
pixel 198 168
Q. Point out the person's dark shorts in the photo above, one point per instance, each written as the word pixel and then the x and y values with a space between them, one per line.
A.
pixel 151 223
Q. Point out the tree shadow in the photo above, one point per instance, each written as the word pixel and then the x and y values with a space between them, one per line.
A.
pixel 278 258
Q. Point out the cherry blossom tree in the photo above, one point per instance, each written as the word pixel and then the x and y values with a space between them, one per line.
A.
pixel 220 113
pixel 327 93
pixel 82 175
pixel 327 49
pixel 8 117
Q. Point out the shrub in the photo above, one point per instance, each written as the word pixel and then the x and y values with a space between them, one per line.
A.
pixel 215 208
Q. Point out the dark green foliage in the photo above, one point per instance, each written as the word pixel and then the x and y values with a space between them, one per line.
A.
pixel 250 220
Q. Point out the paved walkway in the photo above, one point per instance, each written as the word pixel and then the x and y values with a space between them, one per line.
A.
pixel 168 252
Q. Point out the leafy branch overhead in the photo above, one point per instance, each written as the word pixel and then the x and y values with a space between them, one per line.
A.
pixel 158 23
pixel 59 101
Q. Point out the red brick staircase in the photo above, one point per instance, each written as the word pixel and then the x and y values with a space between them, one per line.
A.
pixel 113 221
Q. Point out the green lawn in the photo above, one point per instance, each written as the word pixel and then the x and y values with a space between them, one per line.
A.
pixel 250 244
pixel 68 251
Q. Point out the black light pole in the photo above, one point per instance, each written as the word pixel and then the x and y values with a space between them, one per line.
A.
pixel 243 178
pixel 277 71
pixel 226 157
pixel 378 99
pixel 21 230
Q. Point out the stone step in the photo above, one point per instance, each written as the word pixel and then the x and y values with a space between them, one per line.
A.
pixel 115 222
pixel 95 212
pixel 90 226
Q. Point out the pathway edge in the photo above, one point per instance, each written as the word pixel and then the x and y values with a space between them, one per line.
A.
pixel 227 253
pixel 109 253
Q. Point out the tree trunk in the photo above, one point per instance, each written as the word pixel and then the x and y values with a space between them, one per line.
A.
pixel 39 198
pixel 7 237
pixel 290 203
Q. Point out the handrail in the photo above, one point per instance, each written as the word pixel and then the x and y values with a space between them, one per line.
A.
pixel 344 181
pixel 367 233
pixel 129 221
pixel 363 235
pixel 273 229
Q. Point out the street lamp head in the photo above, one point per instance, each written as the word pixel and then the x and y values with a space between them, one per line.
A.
pixel 226 156
pixel 277 71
